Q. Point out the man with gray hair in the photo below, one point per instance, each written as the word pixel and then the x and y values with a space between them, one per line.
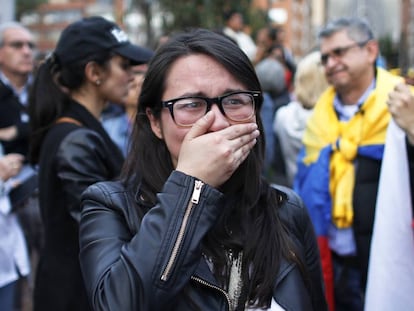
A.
pixel 338 171
pixel 16 66
pixel 17 52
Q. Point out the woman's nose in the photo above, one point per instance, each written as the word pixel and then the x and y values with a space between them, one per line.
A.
pixel 131 76
pixel 220 121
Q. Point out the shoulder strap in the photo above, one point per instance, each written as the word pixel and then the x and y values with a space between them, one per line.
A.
pixel 68 120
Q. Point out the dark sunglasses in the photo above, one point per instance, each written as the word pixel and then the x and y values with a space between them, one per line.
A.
pixel 340 51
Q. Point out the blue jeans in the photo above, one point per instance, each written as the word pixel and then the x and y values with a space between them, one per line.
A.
pixel 7 296
pixel 349 294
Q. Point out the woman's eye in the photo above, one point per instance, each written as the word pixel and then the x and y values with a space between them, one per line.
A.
pixel 125 65
pixel 234 102
pixel 190 105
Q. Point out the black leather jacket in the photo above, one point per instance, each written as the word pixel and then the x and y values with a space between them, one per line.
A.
pixel 130 262
pixel 73 156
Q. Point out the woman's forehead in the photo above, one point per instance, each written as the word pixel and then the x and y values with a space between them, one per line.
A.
pixel 199 72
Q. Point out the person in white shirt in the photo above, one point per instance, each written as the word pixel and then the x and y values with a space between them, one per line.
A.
pixel 234 28
pixel 14 258
pixel 290 120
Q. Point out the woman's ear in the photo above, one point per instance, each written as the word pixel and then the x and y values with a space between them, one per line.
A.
pixel 94 73
pixel 155 123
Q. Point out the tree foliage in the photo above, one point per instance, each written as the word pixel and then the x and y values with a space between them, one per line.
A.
pixel 389 50
pixel 207 13
pixel 23 6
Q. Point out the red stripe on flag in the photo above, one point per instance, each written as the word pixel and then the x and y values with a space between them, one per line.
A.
pixel 327 270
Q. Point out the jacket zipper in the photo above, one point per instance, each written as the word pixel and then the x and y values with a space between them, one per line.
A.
pixel 201 281
pixel 194 200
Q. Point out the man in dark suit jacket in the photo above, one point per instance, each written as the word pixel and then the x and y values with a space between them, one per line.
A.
pixel 17 52
pixel 16 67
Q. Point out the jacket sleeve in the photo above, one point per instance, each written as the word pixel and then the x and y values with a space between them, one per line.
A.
pixel 302 228
pixel 23 130
pixel 129 265
pixel 82 160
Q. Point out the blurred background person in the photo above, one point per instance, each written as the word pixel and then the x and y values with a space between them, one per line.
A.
pixel 277 51
pixel 272 72
pixel 119 127
pixel 234 28
pixel 288 57
pixel 16 65
pixel 339 166
pixel 290 121
pixel 90 67
pixel 14 258
pixel 265 39
pixel 17 54
pixel 271 77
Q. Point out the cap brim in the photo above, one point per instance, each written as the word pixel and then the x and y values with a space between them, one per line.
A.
pixel 136 54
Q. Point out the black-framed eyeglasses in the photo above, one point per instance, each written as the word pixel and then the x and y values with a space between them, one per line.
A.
pixel 17 45
pixel 340 51
pixel 236 106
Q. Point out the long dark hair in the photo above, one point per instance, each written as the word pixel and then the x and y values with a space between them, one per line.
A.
pixel 48 97
pixel 250 222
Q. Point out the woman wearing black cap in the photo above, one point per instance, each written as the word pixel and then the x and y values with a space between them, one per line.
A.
pixel 90 67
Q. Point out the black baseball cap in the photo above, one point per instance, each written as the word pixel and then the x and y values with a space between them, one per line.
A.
pixel 93 34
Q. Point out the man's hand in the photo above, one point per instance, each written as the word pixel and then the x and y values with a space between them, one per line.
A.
pixel 10 165
pixel 401 106
pixel 8 133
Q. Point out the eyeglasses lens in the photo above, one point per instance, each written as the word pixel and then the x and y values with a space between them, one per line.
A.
pixel 236 107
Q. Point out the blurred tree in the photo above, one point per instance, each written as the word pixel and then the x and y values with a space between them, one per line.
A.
pixel 389 51
pixel 23 6
pixel 208 13
pixel 145 7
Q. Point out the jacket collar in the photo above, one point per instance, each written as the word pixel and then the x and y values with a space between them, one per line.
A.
pixel 203 272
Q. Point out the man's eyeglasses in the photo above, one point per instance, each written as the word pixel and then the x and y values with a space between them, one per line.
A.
pixel 18 45
pixel 340 51
pixel 236 106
